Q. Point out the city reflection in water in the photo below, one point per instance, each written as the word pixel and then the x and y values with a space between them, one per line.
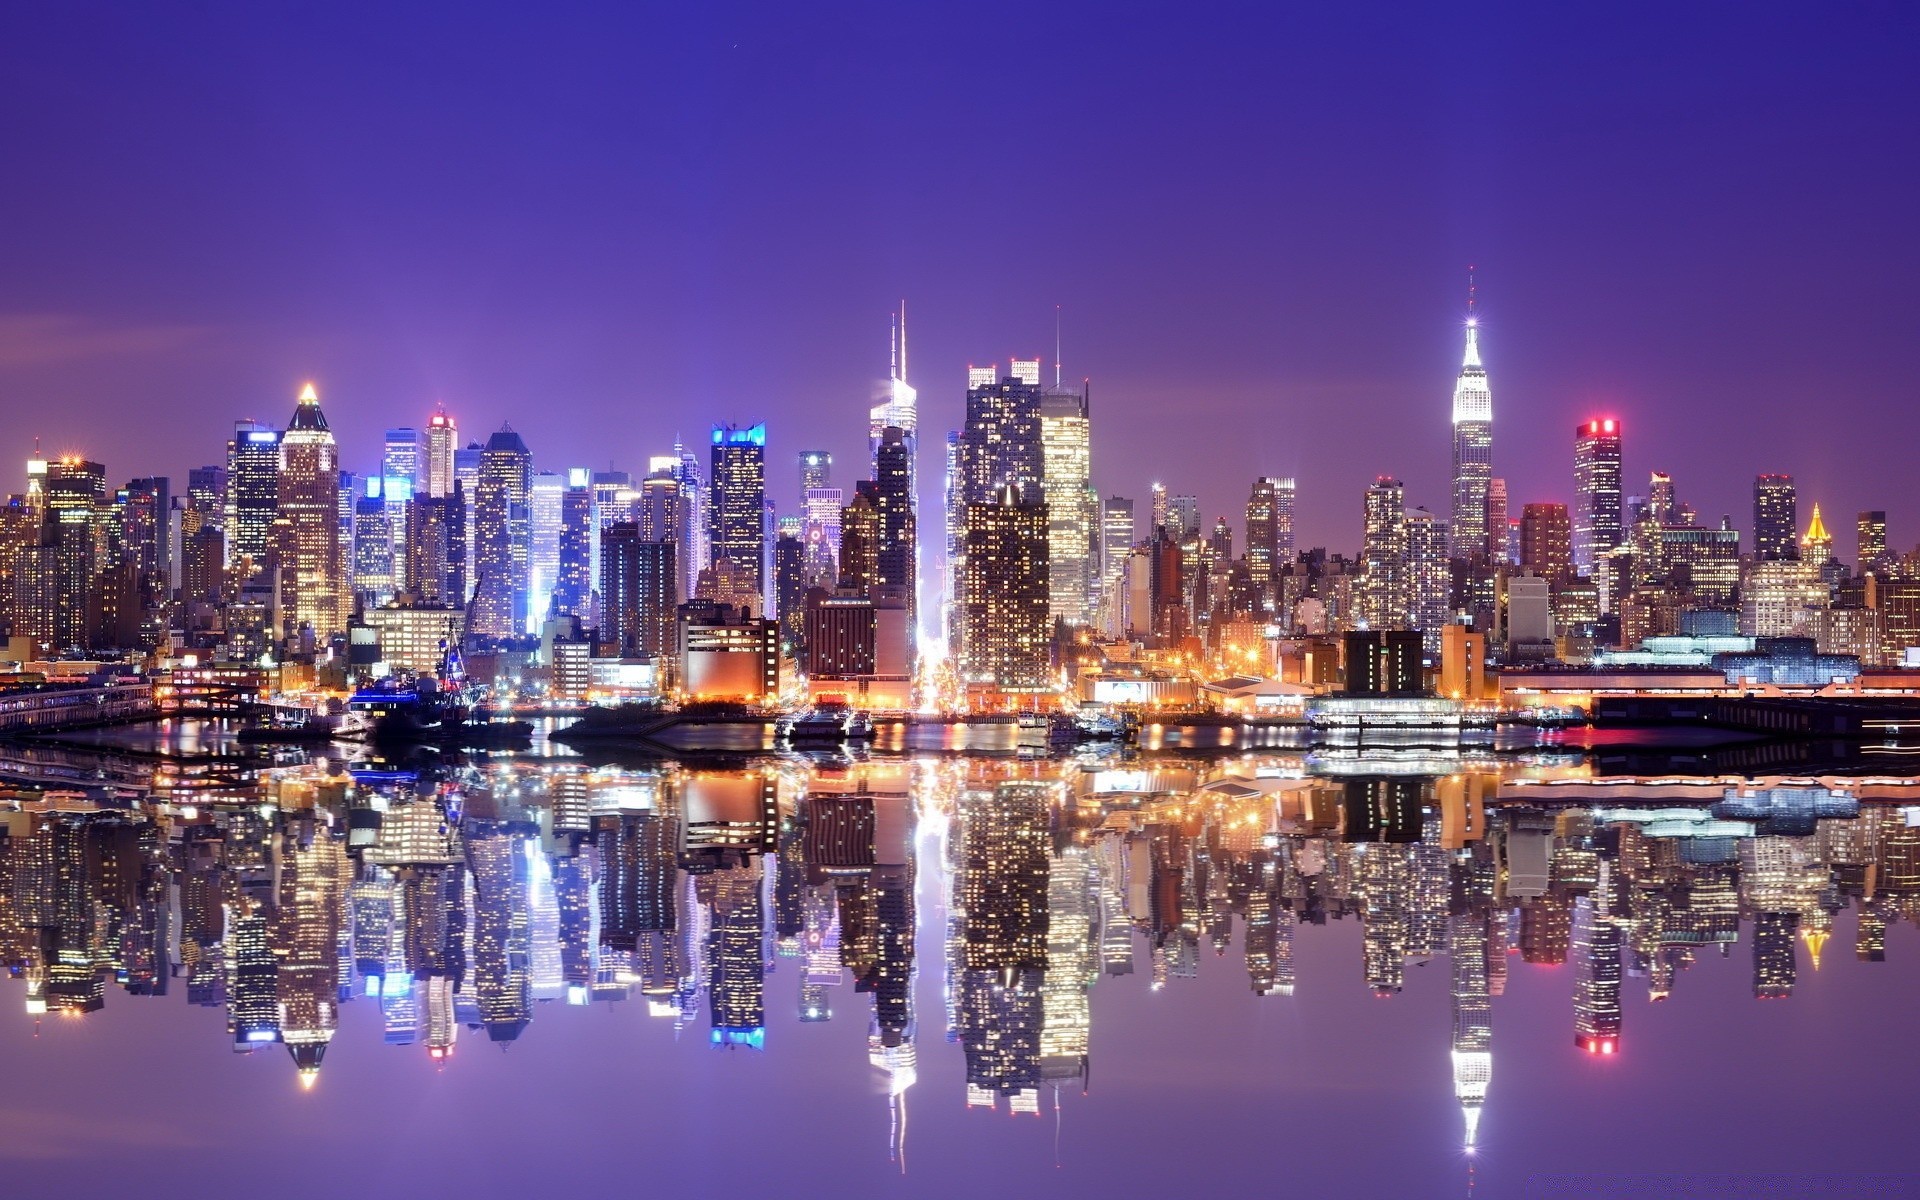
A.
pixel 476 903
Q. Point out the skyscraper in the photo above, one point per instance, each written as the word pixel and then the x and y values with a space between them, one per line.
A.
pixel 544 501
pixel 503 537
pixel 1776 518
pixel 1596 481
pixel 576 570
pixel 1871 540
pixel 639 590
pixel 1546 542
pixel 1073 507
pixel 897 551
pixel 1382 589
pixel 898 408
pixel 816 470
pixel 1264 558
pixel 307 525
pixel 1429 581
pixel 1472 454
pixel 443 437
pixel 1000 444
pixel 1501 529
pixel 737 503
pixel 253 493
pixel 1004 630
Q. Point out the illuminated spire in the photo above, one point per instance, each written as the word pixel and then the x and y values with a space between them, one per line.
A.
pixel 1817 534
pixel 309 394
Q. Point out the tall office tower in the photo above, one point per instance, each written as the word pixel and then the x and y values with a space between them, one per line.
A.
pixel 460 549
pixel 898 551
pixel 1000 443
pixel 36 479
pixel 203 563
pixel 737 503
pixel 1596 965
pixel 859 567
pixel 577 568
pixel 1264 559
pixel 432 569
pixel 1596 485
pixel 667 507
pixel 639 591
pixel 404 455
pixel 954 503
pixel 820 529
pixel 1381 602
pixel 403 470
pixel 1116 539
pixel 1662 508
pixel 253 493
pixel 442 439
pixel 899 409
pixel 59 586
pixel 1164 581
pixel 313 582
pixel 1159 507
pixel 466 476
pixel 1871 540
pixel 544 501
pixel 1220 541
pixel 143 527
pixel 1499 525
pixel 1468 955
pixel 816 471
pixel 1004 630
pixel 1429 578
pixel 1472 453
pixel 1546 542
pixel 1776 518
pixel 790 585
pixel 1073 507
pixel 1283 544
pixel 371 549
pixel 694 487
pixel 503 537
pixel 1183 517
pixel 206 498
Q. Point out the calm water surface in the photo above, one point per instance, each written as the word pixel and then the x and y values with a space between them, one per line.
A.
pixel 1263 973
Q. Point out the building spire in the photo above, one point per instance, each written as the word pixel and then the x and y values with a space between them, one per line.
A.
pixel 1472 359
pixel 902 377
pixel 1056 347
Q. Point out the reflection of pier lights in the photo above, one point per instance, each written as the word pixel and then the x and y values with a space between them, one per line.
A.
pixel 1380 760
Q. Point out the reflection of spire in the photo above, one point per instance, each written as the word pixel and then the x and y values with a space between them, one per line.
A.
pixel 1816 940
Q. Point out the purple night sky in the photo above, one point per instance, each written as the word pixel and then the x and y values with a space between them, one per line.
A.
pixel 611 223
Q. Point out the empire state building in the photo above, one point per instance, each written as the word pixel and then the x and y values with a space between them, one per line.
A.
pixel 1472 453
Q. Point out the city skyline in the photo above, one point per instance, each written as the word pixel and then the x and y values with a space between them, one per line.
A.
pixel 382 297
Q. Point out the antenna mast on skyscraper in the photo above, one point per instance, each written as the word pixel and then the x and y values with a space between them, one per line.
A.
pixel 1470 292
pixel 902 377
pixel 1056 347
